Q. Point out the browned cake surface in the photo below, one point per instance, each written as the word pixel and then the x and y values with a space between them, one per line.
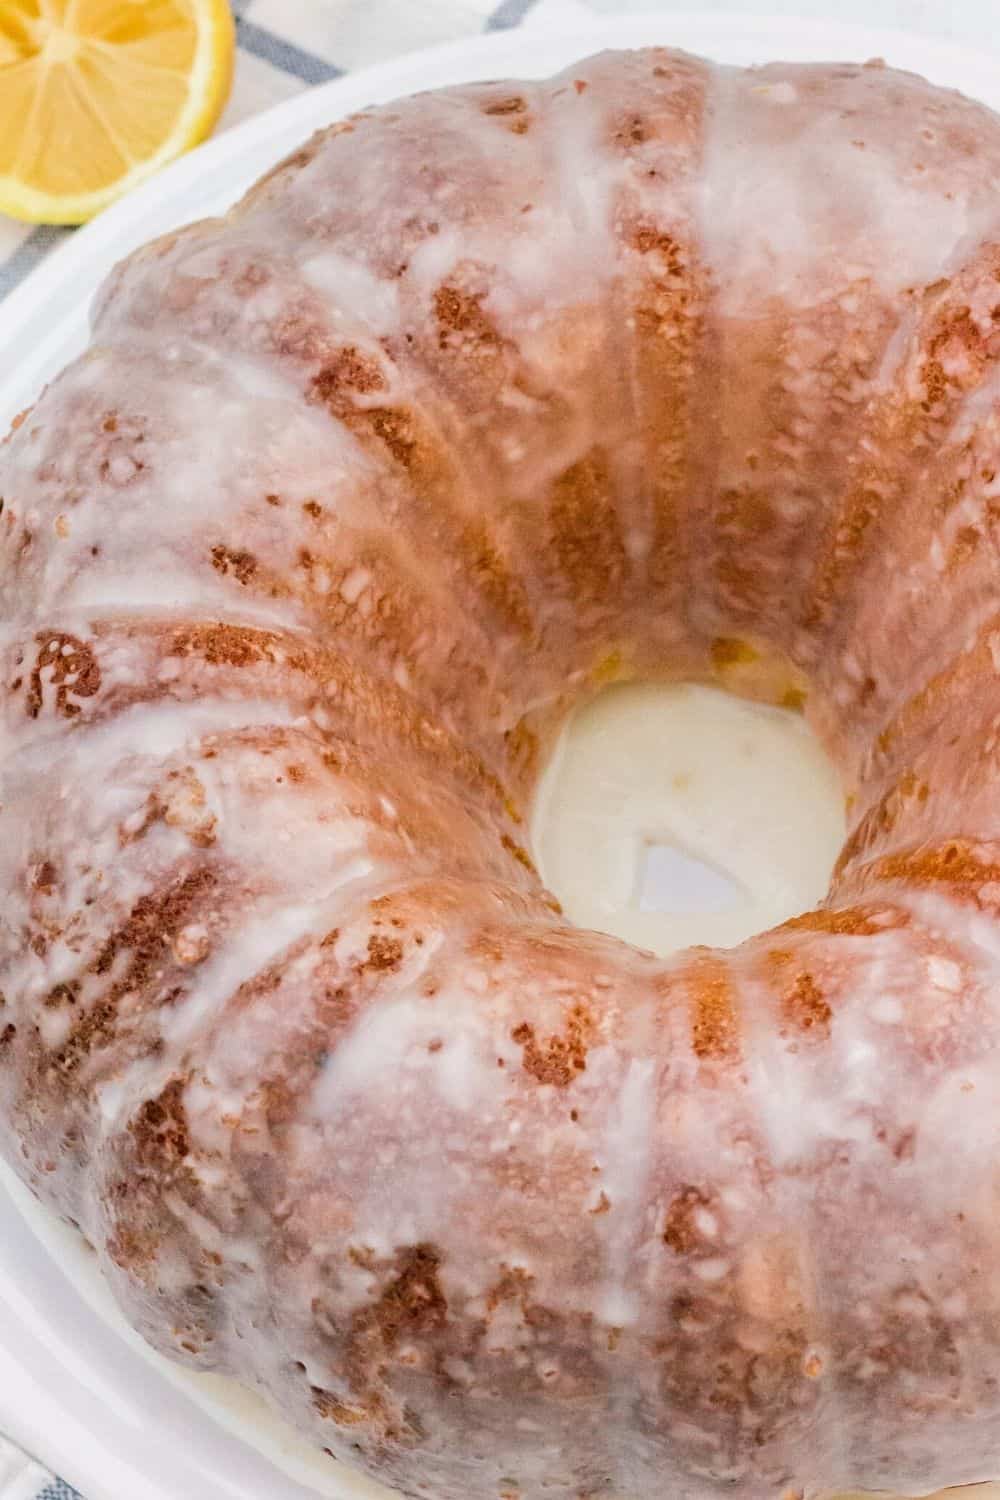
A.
pixel 481 400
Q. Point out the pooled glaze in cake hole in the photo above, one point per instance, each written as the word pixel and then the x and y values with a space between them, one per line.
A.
pixel 620 416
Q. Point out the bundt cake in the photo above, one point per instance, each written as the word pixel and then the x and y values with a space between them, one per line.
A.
pixel 477 402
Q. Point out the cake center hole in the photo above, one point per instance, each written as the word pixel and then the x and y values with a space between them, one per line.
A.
pixel 669 879
pixel 678 814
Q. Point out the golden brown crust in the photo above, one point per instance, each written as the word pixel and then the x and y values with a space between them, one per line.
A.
pixel 476 403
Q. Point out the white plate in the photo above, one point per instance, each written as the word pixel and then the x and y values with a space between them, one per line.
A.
pixel 76 1387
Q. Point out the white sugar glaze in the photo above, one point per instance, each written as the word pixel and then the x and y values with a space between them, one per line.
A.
pixel 234 1407
pixel 742 787
pixel 483 401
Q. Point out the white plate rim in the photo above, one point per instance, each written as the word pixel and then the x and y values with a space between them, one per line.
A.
pixel 52 1420
pixel 29 310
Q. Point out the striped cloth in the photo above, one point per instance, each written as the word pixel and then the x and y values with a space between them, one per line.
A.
pixel 288 45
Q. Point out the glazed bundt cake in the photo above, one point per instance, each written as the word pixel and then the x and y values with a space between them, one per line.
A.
pixel 480 400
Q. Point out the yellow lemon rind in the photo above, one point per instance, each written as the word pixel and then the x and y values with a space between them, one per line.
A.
pixel 209 82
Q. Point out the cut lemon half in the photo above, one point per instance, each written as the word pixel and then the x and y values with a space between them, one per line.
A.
pixel 95 95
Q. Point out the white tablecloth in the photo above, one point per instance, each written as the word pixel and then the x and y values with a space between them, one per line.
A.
pixel 288 45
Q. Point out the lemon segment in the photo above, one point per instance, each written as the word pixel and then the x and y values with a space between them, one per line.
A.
pixel 95 95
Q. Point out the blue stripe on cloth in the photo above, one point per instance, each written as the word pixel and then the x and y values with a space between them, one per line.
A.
pixel 284 55
pixel 508 14
pixel 291 59
pixel 28 254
